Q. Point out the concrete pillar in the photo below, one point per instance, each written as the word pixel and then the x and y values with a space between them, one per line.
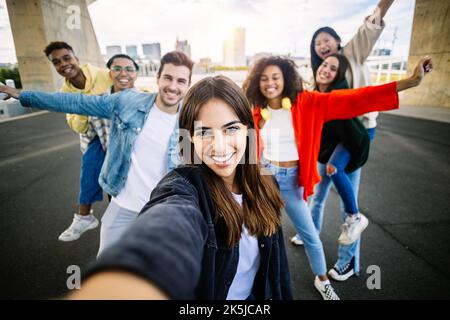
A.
pixel 430 36
pixel 36 23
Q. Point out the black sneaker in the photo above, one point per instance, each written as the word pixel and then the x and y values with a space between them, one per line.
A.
pixel 342 274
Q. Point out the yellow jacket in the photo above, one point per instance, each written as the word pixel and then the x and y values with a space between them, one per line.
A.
pixel 98 81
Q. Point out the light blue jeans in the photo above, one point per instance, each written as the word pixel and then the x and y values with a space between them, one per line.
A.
pixel 115 222
pixel 298 211
pixel 317 205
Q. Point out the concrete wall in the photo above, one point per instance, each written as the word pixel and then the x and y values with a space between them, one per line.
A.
pixel 36 23
pixel 430 36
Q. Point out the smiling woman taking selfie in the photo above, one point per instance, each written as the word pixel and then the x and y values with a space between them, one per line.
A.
pixel 212 229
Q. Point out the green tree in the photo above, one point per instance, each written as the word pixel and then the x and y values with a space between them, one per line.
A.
pixel 11 74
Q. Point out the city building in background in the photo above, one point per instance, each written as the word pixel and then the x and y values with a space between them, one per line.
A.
pixel 132 51
pixel 384 67
pixel 234 49
pixel 113 50
pixel 205 65
pixel 183 46
pixel 382 52
pixel 152 51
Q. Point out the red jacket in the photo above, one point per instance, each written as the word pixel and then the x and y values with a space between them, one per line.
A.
pixel 312 109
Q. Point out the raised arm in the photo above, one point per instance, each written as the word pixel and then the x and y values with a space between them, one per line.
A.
pixel 383 6
pixel 160 255
pixel 362 43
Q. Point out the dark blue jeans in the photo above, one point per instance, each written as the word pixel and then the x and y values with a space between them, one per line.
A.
pixel 91 165
pixel 340 159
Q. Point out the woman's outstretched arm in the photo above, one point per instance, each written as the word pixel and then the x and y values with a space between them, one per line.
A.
pixel 424 66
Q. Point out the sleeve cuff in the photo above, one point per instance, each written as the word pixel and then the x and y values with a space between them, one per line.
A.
pixel 374 21
pixel 25 98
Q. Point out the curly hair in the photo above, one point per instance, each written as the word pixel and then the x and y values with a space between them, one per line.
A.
pixel 56 45
pixel 292 80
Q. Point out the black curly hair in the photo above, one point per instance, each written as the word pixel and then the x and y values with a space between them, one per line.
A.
pixel 292 80
pixel 56 45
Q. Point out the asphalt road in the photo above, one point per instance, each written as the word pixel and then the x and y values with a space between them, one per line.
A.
pixel 404 192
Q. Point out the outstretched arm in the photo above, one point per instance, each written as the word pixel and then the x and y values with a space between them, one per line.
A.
pixel 424 66
pixel 118 285
pixel 77 103
pixel 11 92
pixel 163 246
pixel 349 103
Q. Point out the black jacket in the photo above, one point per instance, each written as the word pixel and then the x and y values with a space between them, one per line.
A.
pixel 175 245
pixel 351 133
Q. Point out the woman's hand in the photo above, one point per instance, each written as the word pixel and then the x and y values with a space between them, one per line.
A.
pixel 423 67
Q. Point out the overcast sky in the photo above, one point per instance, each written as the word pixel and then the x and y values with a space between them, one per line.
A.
pixel 279 26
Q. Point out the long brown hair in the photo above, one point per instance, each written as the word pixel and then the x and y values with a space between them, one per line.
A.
pixel 262 202
pixel 339 82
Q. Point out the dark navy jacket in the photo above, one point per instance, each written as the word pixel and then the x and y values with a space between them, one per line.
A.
pixel 175 244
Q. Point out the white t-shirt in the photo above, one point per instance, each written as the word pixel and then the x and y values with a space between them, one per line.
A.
pixel 278 136
pixel 248 264
pixel 148 160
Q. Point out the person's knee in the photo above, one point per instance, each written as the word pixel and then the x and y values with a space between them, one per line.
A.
pixel 331 169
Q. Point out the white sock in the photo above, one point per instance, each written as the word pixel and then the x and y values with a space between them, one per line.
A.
pixel 85 217
pixel 325 282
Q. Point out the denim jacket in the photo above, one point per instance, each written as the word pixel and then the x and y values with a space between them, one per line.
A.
pixel 128 112
pixel 178 244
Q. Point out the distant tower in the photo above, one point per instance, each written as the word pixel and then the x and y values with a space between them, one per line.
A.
pixel 234 49
pixel 183 46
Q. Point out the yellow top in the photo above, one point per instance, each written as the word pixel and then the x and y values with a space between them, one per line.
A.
pixel 98 82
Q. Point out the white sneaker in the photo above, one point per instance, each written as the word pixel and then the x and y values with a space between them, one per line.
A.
pixel 78 226
pixel 352 229
pixel 296 240
pixel 326 290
